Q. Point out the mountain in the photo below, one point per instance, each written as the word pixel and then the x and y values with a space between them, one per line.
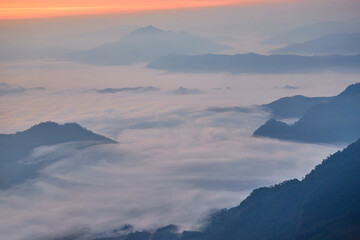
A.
pixel 144 45
pixel 293 107
pixel 15 148
pixel 255 63
pixel 343 43
pixel 127 89
pixel 335 121
pixel 312 31
pixel 322 206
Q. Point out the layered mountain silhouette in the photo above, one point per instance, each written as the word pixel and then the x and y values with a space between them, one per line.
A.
pixel 293 107
pixel 127 89
pixel 322 206
pixel 311 31
pixel 255 63
pixel 15 148
pixel 145 45
pixel 342 43
pixel 336 120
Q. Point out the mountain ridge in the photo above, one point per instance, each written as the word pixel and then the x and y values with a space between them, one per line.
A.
pixel 144 45
pixel 14 148
pixel 334 121
pixel 340 43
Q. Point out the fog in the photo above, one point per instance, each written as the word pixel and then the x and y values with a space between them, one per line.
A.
pixel 185 145
pixel 179 156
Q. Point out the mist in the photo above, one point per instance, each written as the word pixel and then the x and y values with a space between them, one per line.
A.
pixel 184 141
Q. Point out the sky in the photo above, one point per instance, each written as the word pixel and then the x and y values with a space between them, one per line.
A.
pixel 18 9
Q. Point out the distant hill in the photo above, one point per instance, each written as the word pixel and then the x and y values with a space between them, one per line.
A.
pixel 255 63
pixel 342 43
pixel 16 147
pixel 127 89
pixel 311 31
pixel 186 91
pixel 293 107
pixel 335 121
pixel 323 206
pixel 145 45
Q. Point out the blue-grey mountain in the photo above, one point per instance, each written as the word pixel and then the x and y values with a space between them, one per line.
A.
pixel 15 148
pixel 342 43
pixel 312 31
pixel 293 107
pixel 128 89
pixel 145 45
pixel 333 121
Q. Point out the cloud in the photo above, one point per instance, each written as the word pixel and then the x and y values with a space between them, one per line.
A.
pixel 153 177
pixel 176 161
pixel 128 89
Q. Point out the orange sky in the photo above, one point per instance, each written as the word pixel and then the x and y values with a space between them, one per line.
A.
pixel 15 9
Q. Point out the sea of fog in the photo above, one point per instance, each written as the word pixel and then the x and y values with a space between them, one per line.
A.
pixel 180 155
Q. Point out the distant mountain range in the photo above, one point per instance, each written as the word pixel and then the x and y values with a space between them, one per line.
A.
pixel 255 63
pixel 127 89
pixel 341 43
pixel 322 206
pixel 326 120
pixel 15 148
pixel 145 45
pixel 311 31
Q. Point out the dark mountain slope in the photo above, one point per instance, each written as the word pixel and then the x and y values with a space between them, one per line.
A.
pixel 325 205
pixel 18 146
pixel 337 121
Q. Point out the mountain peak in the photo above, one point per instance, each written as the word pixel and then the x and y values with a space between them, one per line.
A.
pixel 146 31
pixel 58 133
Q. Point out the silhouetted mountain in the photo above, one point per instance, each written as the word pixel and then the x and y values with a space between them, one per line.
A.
pixel 129 89
pixel 255 63
pixel 323 206
pixel 15 148
pixel 343 43
pixel 186 91
pixel 169 232
pixel 312 31
pixel 144 45
pixel 334 121
pixel 293 107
